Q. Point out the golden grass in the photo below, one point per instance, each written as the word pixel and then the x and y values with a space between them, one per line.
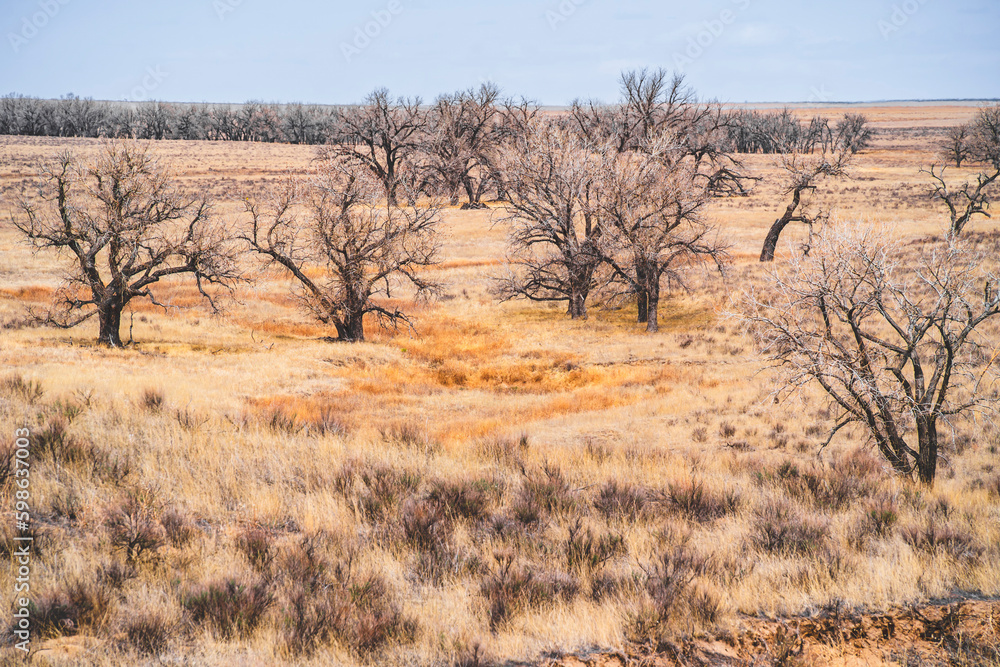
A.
pixel 265 425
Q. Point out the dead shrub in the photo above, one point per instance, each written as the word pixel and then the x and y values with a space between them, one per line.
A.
pixel 256 544
pixel 381 490
pixel 178 528
pixel 80 605
pixel 152 400
pixel 550 492
pixel 878 517
pixel 617 500
pixel 28 391
pixel 510 589
pixel 358 610
pixel 134 525
pixel 54 443
pixel 231 607
pixel 586 552
pixel 780 529
pixel 148 632
pixel 465 500
pixel 933 538
pixel 693 501
pixel 669 585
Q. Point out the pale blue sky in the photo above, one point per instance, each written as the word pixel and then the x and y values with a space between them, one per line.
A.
pixel 549 50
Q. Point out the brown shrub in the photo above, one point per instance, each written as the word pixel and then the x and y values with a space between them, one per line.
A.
pixel 780 529
pixel 588 553
pixel 256 544
pixel 694 502
pixel 465 500
pixel 933 538
pixel 134 526
pixel 152 400
pixel 15 386
pixel 231 607
pixel 148 632
pixel 510 589
pixel 617 500
pixel 178 528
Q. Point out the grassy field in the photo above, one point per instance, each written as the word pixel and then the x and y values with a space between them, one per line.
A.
pixel 498 483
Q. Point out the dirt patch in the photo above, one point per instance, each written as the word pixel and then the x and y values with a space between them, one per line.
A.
pixel 955 633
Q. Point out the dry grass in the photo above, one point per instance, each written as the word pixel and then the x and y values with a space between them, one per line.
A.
pixel 496 483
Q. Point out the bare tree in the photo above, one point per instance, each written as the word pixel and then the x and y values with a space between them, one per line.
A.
pixel 126 228
pixel 460 141
pixel 897 343
pixel 804 171
pixel 650 209
pixel 966 201
pixel 382 135
pixel 969 200
pixel 956 147
pixel 338 225
pixel 550 176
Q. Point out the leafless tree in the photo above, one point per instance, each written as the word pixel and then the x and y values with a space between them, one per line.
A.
pixel 804 171
pixel 550 175
pixel 972 199
pixel 338 225
pixel 652 228
pixel 126 227
pixel 898 344
pixel 460 142
pixel 955 147
pixel 966 201
pixel 382 135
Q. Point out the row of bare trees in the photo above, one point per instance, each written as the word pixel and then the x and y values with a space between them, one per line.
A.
pixel 125 227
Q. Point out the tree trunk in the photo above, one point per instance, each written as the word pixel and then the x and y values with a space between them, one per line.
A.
pixel 577 306
pixel 643 295
pixel 926 450
pixel 773 234
pixel 652 309
pixel 352 328
pixel 110 317
pixel 771 242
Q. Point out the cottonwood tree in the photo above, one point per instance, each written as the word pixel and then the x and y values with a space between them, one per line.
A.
pixel 460 141
pixel 348 250
pixel 550 177
pixel 655 103
pixel 382 135
pixel 967 201
pixel 652 228
pixel 955 147
pixel 126 227
pixel 897 343
pixel 804 172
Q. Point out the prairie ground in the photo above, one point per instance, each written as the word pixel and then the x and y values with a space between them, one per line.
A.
pixel 498 483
